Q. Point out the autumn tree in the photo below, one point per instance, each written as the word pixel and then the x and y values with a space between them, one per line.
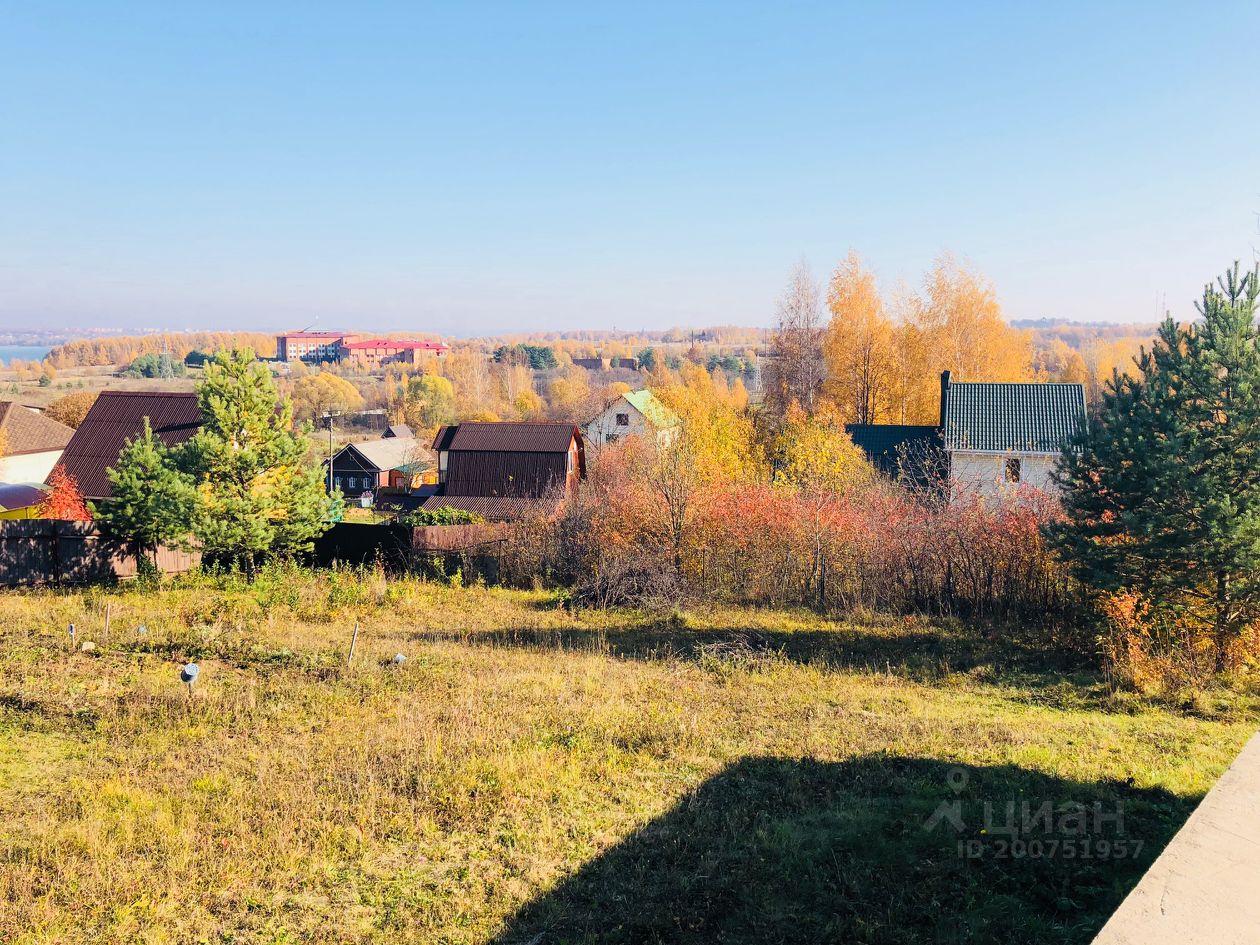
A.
pixel 469 372
pixel 571 395
pixel 858 345
pixel 816 459
pixel 429 402
pixel 815 454
pixel 64 501
pixel 796 369
pixel 72 408
pixel 320 394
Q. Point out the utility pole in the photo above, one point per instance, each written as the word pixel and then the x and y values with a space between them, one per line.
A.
pixel 330 453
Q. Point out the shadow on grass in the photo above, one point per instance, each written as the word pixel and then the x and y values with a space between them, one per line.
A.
pixel 780 850
pixel 911 650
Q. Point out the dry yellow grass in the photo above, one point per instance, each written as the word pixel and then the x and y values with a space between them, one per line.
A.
pixel 292 799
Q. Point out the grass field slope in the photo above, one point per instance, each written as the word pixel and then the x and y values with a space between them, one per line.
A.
pixel 530 774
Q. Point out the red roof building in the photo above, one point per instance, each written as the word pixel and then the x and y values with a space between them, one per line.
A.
pixel 311 345
pixel 391 350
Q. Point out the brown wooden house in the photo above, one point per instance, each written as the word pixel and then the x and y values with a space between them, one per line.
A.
pixel 503 471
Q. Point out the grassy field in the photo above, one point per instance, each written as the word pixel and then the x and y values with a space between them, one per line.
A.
pixel 720 775
pixel 73 380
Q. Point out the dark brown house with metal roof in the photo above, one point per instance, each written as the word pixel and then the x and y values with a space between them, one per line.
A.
pixel 506 470
pixel 118 416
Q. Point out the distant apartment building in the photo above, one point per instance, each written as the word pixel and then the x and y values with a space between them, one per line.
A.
pixel 376 351
pixel 340 346
pixel 311 345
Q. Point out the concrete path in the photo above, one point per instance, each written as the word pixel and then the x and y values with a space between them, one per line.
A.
pixel 1205 886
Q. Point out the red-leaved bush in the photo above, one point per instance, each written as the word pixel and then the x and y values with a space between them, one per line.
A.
pixel 638 534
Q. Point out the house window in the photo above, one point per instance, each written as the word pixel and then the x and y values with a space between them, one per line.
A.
pixel 1013 469
pixel 612 437
pixel 623 419
pixel 352 482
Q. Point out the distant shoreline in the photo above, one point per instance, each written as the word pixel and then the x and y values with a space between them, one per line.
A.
pixel 23 353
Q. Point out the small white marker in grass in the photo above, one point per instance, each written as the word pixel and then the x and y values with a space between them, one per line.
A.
pixel 188 675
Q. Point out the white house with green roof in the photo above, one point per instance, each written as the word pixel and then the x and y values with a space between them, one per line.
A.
pixel 637 413
pixel 1000 436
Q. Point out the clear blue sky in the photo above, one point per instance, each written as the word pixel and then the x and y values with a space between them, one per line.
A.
pixel 475 168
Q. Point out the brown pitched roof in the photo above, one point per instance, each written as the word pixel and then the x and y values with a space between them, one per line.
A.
pixel 25 431
pixel 492 508
pixel 118 416
pixel 508 437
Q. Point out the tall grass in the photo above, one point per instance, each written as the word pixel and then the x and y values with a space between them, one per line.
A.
pixel 291 797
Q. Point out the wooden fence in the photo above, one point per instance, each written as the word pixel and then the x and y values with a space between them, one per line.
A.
pixel 41 551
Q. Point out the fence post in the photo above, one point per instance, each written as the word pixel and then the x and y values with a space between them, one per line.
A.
pixel 55 535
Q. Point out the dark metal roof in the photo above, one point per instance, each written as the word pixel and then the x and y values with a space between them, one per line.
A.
pixel 1035 418
pixel 118 416
pixel 912 453
pixel 20 495
pixel 442 440
pixel 26 431
pixel 509 437
pixel 491 508
pixel 884 442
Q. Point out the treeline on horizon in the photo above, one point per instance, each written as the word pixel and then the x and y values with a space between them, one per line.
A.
pixel 123 349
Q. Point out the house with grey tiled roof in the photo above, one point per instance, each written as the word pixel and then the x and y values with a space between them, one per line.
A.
pixel 991 436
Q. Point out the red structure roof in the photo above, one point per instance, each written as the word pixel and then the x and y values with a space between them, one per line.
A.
pixel 397 345
pixel 118 416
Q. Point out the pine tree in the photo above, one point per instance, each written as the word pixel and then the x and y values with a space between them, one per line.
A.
pixel 152 502
pixel 1163 495
pixel 257 493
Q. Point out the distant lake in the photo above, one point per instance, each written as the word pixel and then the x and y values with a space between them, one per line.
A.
pixel 22 352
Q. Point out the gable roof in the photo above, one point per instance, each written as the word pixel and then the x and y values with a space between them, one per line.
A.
pixel 384 454
pixel 117 416
pixel 493 508
pixel 25 431
pixel 508 437
pixel 1026 418
pixel 397 429
pixel 650 406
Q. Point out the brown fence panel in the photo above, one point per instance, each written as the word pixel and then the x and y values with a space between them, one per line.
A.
pixel 450 538
pixel 42 551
